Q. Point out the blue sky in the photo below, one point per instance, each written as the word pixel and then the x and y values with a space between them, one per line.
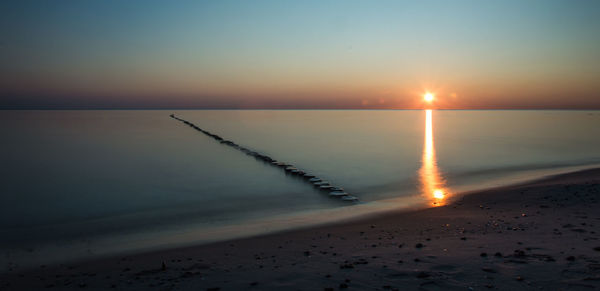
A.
pixel 299 54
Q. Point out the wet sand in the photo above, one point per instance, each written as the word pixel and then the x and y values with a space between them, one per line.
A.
pixel 538 235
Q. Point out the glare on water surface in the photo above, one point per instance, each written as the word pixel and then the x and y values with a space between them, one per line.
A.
pixel 432 182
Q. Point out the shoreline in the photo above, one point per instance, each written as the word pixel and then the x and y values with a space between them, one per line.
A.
pixel 195 235
pixel 530 235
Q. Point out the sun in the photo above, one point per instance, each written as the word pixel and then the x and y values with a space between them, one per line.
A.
pixel 428 97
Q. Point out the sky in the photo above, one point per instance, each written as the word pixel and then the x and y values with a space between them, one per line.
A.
pixel 299 54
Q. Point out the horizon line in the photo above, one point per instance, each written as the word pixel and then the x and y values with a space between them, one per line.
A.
pixel 292 109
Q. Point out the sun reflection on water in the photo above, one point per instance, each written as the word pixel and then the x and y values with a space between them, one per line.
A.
pixel 432 182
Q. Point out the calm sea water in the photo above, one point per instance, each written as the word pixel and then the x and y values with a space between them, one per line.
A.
pixel 84 183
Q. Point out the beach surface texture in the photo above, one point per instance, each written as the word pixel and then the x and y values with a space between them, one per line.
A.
pixel 537 235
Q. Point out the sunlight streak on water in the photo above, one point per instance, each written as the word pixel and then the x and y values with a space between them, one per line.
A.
pixel 432 182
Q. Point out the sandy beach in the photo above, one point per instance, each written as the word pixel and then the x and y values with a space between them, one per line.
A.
pixel 537 235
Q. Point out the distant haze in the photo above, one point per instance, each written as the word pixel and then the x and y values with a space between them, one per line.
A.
pixel 299 54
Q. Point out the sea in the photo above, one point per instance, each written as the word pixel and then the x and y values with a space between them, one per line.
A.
pixel 79 184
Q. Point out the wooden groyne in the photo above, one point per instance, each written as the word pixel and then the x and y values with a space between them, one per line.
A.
pixel 317 182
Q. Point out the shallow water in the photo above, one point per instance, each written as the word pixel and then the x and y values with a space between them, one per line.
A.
pixel 89 177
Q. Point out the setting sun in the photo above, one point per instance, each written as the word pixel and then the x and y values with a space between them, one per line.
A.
pixel 428 97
